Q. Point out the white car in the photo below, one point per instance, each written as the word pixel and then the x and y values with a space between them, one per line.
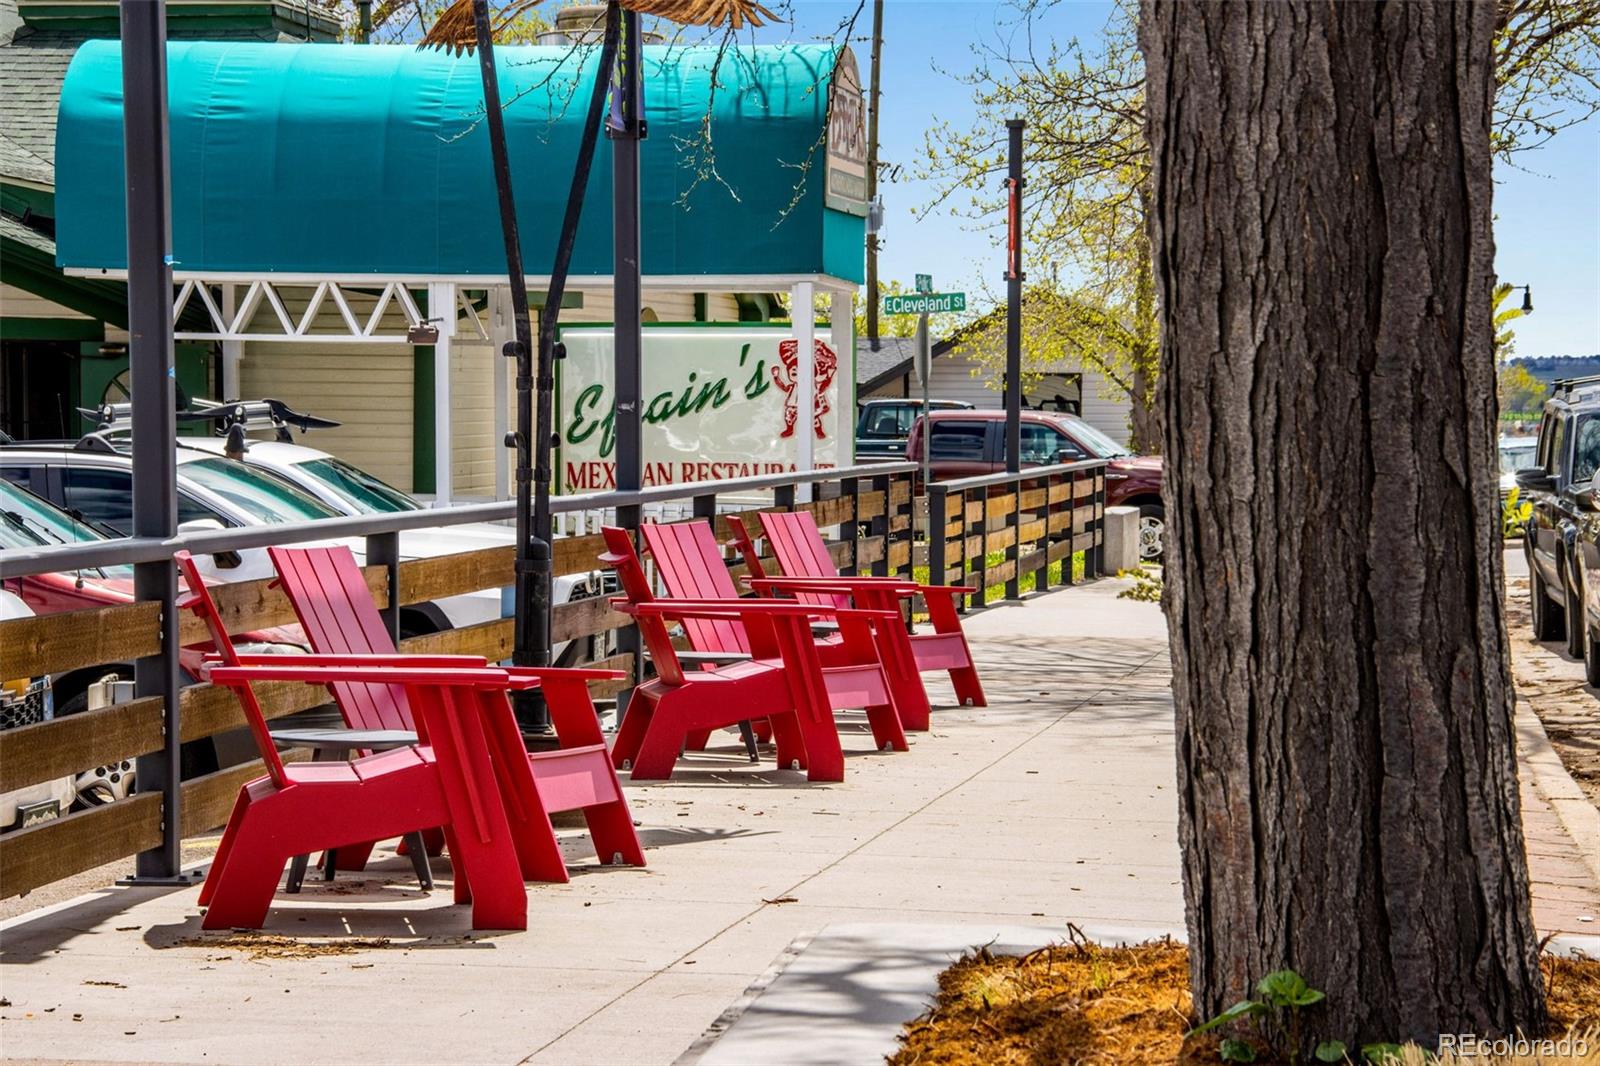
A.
pixel 350 490
pixel 213 492
pixel 24 701
pixel 1516 453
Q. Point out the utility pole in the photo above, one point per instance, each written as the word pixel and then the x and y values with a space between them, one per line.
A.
pixel 872 173
pixel 1014 279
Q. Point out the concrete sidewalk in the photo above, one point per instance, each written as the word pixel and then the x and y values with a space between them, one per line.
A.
pixel 1054 804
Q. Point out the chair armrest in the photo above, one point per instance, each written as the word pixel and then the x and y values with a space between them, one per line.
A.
pixel 714 658
pixel 837 586
pixel 487 677
pixel 526 677
pixel 390 659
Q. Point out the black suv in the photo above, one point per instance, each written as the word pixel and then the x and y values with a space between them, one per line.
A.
pixel 1563 532
pixel 883 425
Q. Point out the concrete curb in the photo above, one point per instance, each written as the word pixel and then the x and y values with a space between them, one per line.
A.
pixel 844 994
pixel 1580 818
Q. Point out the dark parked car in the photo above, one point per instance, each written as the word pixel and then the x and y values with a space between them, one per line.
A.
pixel 883 426
pixel 1563 532
pixel 967 443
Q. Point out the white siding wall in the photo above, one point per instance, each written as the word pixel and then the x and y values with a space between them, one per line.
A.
pixel 18 303
pixel 368 387
pixel 956 377
pixel 472 438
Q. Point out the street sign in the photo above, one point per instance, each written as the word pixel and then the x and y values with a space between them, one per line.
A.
pixel 924 282
pixel 926 303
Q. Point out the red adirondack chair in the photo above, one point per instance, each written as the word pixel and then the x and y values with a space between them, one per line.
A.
pixel 447 781
pixel 335 608
pixel 811 576
pixel 853 677
pixel 690 562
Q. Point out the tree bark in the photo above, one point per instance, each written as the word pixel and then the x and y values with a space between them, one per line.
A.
pixel 1346 760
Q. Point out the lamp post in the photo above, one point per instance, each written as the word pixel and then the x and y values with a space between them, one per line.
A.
pixel 1527 297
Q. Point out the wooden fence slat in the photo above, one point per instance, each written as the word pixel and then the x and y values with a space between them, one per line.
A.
pixel 581 618
pixel 576 555
pixel 74 843
pixel 62 746
pixel 601 689
pixel 54 643
pixel 453 575
pixel 494 640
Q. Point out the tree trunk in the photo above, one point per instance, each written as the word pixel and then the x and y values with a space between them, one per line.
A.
pixel 1346 760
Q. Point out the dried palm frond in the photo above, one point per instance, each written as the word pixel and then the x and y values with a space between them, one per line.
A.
pixel 456 28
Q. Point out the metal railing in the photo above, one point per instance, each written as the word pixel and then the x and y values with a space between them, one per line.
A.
pixel 1039 508
pixel 840 491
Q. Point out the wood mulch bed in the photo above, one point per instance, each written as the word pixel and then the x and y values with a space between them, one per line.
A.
pixel 1081 1004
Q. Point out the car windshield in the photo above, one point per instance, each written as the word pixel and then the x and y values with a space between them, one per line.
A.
pixel 1518 454
pixel 51 524
pixel 266 498
pixel 13 534
pixel 365 493
pixel 1101 445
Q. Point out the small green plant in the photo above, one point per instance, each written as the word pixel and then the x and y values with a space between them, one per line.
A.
pixel 1147 584
pixel 1514 516
pixel 1276 1027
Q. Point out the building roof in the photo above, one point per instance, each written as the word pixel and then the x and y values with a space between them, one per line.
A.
pixel 350 160
pixel 874 369
pixel 35 53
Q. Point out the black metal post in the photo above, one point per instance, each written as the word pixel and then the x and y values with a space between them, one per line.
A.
pixel 533 440
pixel 626 128
pixel 1014 278
pixel 383 549
pixel 936 529
pixel 155 498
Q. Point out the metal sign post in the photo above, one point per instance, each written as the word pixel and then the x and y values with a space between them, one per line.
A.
pixel 1014 278
pixel 922 359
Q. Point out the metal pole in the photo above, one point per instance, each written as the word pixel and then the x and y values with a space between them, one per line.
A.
pixel 155 499
pixel 1014 277
pixel 924 367
pixel 872 172
pixel 626 128
pixel 532 626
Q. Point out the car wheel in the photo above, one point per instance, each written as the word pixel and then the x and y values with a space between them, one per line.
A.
pixel 1591 656
pixel 1549 621
pixel 1152 532
pixel 1576 616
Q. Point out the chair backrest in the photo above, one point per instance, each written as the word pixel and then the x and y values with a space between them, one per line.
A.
pixel 335 608
pixel 200 602
pixel 621 557
pixel 747 546
pixel 691 566
pixel 798 546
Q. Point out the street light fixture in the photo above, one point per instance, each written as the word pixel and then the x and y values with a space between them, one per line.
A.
pixel 1527 297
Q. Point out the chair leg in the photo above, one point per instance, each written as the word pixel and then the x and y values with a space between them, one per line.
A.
pixel 225 846
pixel 330 863
pixel 696 740
pixel 611 831
pixel 824 756
pixel 969 690
pixel 458 868
pixel 630 735
pixel 243 894
pixel 886 729
pixel 791 744
pixel 418 853
pixel 659 751
pixel 748 734
pixel 353 857
pixel 297 872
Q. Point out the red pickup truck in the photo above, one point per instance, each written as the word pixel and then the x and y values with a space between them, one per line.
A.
pixel 968 443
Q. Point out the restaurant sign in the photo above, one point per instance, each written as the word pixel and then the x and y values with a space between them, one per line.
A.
pixel 718 402
pixel 847 138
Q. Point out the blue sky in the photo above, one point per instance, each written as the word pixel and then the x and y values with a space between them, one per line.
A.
pixel 1548 214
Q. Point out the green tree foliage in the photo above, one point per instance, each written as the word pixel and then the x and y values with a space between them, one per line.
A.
pixel 1088 162
pixel 1520 392
pixel 1505 341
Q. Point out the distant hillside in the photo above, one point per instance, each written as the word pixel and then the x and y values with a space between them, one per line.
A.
pixel 1551 367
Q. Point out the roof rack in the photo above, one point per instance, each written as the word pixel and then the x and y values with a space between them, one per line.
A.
pixel 225 415
pixel 1568 384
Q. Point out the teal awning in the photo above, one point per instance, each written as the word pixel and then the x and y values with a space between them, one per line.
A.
pixel 352 159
